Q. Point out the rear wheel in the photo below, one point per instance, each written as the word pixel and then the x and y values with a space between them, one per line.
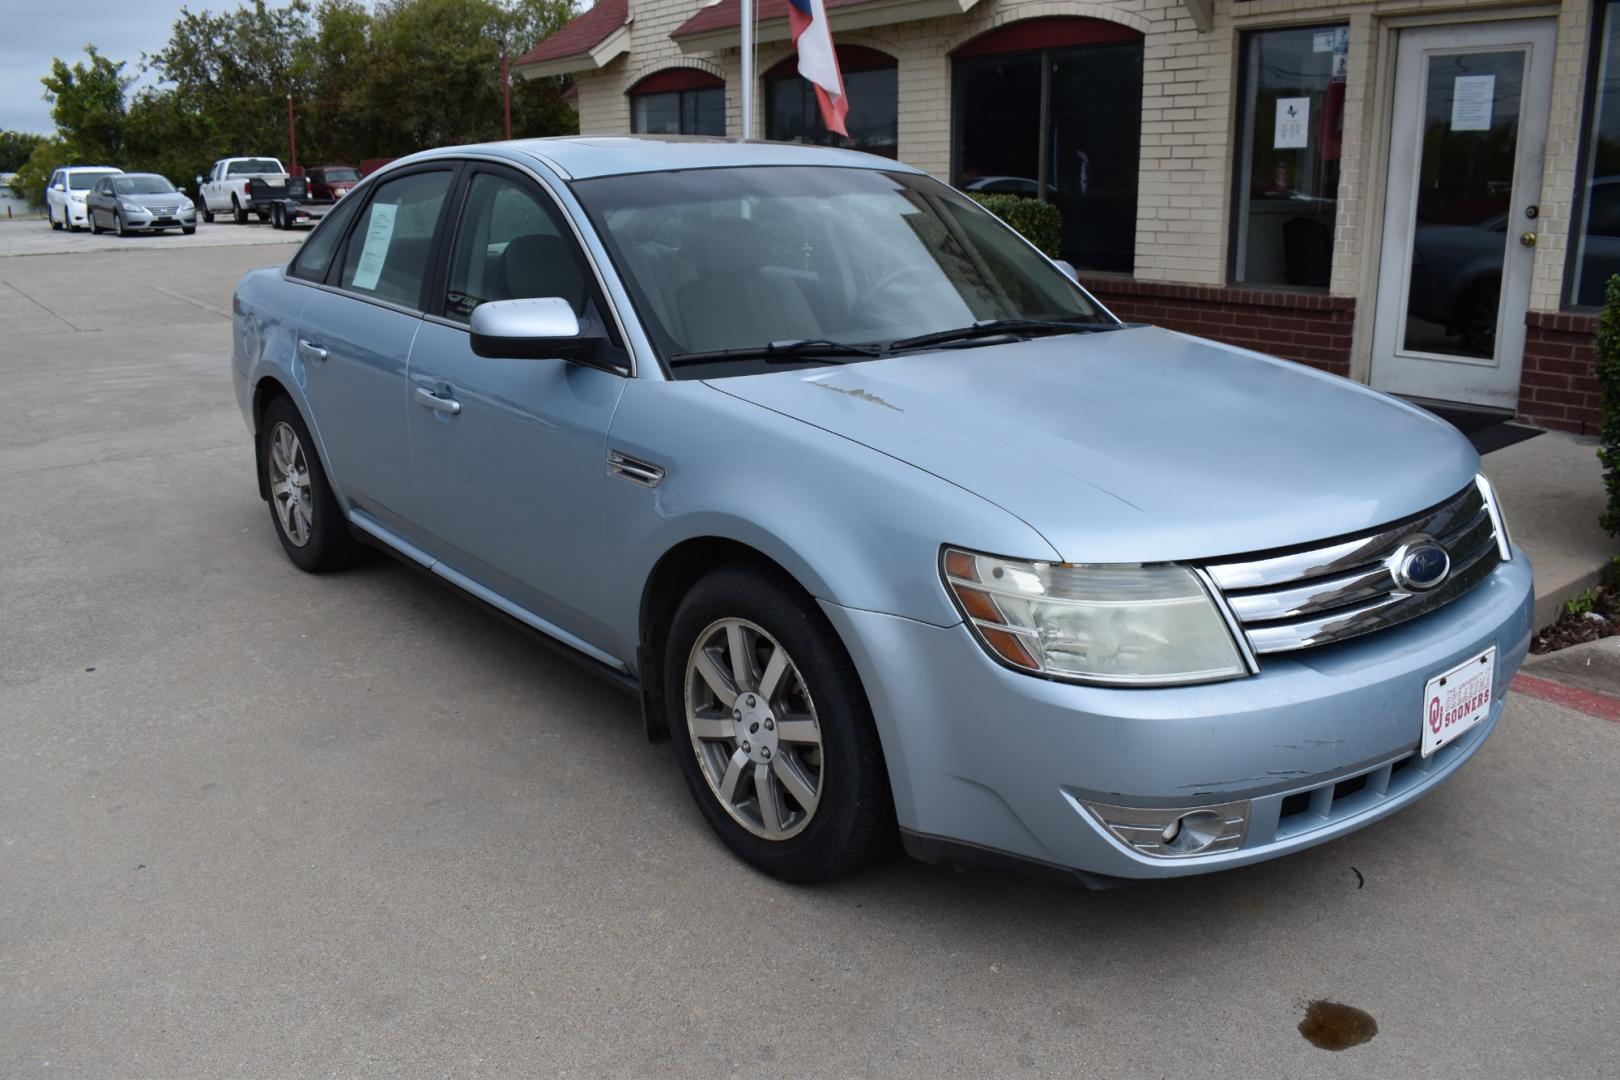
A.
pixel 239 214
pixel 772 729
pixel 308 521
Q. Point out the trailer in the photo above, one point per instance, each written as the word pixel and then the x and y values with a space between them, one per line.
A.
pixel 288 204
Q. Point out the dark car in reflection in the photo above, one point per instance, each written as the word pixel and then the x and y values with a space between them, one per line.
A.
pixel 1457 280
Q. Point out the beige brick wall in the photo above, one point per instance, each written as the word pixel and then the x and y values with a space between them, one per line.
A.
pixel 1188 114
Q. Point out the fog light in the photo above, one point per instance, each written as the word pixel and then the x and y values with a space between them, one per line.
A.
pixel 1173 832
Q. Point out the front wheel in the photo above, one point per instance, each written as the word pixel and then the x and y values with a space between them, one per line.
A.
pixel 772 729
pixel 118 223
pixel 308 521
pixel 189 230
pixel 50 215
pixel 208 215
pixel 95 230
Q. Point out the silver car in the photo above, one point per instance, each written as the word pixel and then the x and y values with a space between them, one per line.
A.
pixel 889 525
pixel 139 202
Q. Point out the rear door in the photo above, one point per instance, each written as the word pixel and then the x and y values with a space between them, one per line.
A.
pixel 510 456
pixel 355 336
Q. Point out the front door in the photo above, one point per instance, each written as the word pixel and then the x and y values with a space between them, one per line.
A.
pixel 509 457
pixel 1468 133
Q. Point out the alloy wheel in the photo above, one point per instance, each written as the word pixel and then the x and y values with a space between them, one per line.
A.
pixel 754 729
pixel 289 484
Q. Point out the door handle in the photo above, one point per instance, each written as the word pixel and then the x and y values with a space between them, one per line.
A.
pixel 311 351
pixel 424 396
pixel 1527 239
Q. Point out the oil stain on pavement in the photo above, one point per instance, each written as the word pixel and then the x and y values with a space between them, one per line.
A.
pixel 1332 1026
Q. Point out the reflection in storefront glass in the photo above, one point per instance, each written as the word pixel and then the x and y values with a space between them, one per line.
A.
pixel 1288 159
pixel 1464 189
pixel 1597 243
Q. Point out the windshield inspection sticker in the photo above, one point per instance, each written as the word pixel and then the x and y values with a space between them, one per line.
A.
pixel 378 235
pixel 1471 97
pixel 1293 118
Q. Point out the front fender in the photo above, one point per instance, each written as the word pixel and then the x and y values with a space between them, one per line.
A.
pixel 854 527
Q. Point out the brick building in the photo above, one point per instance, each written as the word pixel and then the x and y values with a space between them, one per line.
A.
pixel 1420 195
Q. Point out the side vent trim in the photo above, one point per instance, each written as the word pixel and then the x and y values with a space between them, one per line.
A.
pixel 635 470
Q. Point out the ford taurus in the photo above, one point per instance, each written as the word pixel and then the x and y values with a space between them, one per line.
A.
pixel 897 533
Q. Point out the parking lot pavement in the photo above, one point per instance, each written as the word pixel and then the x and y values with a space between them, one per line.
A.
pixel 36 237
pixel 259 824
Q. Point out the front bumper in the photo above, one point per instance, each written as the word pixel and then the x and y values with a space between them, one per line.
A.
pixel 983 759
pixel 146 219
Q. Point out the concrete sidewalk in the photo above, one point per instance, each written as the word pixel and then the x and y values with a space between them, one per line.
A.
pixel 1552 491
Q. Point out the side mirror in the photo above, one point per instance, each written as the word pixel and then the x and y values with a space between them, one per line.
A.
pixel 543 329
pixel 1068 268
pixel 199 180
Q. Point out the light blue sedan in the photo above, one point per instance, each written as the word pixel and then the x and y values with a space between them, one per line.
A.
pixel 896 532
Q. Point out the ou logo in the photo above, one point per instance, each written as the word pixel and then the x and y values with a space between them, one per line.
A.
pixel 1434 716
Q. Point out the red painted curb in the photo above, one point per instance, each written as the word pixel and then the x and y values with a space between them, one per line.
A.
pixel 1592 704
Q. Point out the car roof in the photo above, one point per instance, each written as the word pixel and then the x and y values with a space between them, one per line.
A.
pixel 584 156
pixel 92 168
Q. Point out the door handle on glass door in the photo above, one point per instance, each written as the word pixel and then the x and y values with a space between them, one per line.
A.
pixel 1527 239
pixel 311 351
pixel 424 396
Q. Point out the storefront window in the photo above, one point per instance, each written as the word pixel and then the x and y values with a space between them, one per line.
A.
pixel 1052 109
pixel 1595 241
pixel 1290 132
pixel 678 101
pixel 870 82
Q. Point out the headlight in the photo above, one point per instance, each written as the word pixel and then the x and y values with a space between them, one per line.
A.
pixel 76 196
pixel 1118 625
pixel 1493 507
pixel 134 208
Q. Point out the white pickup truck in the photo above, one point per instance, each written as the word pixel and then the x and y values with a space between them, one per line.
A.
pixel 227 189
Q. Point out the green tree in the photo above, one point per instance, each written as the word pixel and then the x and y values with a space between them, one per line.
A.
pixel 16 147
pixel 167 136
pixel 87 103
pixel 35 173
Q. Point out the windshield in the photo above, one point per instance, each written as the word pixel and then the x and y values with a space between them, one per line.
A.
pixel 142 185
pixel 253 165
pixel 84 181
pixel 739 258
pixel 338 176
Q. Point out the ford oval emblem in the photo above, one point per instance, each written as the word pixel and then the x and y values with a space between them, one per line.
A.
pixel 1421 564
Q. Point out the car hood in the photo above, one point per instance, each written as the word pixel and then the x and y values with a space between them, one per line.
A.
pixel 160 198
pixel 1138 445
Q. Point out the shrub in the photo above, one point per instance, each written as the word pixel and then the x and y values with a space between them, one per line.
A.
pixel 1608 376
pixel 1038 222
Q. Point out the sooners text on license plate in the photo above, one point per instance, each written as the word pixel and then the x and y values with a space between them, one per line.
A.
pixel 1456 700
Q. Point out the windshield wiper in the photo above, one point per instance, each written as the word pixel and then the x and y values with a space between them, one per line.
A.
pixel 778 351
pixel 1003 328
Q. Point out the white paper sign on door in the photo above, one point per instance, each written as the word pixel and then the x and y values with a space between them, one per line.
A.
pixel 379 234
pixel 1471 99
pixel 1293 123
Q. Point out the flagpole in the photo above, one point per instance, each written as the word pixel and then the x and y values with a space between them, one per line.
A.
pixel 748 69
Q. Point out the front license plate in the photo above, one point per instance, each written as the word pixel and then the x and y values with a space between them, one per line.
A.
pixel 1456 700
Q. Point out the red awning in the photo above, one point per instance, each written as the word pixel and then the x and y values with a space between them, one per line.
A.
pixel 579 40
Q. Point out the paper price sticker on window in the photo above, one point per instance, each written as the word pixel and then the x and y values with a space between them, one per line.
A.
pixel 1293 123
pixel 379 234
pixel 1471 100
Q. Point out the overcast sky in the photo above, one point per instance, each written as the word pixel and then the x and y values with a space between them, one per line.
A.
pixel 33 31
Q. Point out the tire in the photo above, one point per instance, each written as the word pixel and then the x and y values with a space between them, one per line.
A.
pixel 239 214
pixel 833 754
pixel 189 230
pixel 118 223
pixel 95 230
pixel 311 528
pixel 208 215
pixel 56 226
pixel 278 219
pixel 264 216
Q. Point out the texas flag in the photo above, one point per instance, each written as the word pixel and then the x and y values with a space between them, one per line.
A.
pixel 818 62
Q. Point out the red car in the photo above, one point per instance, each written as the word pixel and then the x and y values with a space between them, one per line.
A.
pixel 331 182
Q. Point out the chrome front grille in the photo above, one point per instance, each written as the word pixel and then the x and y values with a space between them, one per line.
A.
pixel 1343 588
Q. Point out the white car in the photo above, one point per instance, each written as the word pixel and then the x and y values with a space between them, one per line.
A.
pixel 64 195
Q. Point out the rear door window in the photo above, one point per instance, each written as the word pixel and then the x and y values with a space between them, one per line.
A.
pixel 390 249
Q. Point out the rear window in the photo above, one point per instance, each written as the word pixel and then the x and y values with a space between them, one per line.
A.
pixel 253 165
pixel 338 176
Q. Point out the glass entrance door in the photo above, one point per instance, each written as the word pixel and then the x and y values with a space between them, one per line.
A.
pixel 1466 147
